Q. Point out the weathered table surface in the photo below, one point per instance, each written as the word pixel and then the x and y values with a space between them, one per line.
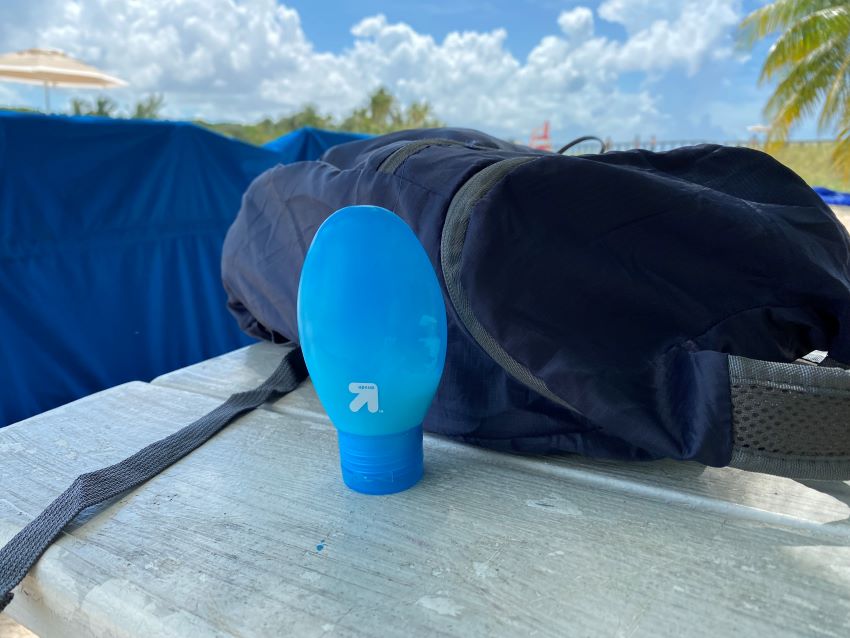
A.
pixel 254 534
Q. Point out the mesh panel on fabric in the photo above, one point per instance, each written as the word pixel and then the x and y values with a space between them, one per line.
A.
pixel 789 422
pixel 790 419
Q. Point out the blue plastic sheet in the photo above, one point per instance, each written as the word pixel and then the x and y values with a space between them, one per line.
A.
pixel 110 247
pixel 833 198
pixel 309 143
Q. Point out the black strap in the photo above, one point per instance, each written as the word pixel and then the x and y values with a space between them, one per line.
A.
pixel 579 140
pixel 27 546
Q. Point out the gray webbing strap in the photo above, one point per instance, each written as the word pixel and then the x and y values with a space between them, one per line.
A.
pixel 27 546
pixel 789 419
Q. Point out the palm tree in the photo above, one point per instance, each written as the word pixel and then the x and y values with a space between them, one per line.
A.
pixel 384 115
pixel 102 107
pixel 149 108
pixel 810 61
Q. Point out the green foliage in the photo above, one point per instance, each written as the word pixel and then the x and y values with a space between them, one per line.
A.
pixel 19 109
pixel 813 162
pixel 149 108
pixel 381 114
pixel 268 129
pixel 810 61
pixel 102 107
pixel 384 115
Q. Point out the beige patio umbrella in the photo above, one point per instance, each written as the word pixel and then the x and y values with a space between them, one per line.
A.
pixel 53 68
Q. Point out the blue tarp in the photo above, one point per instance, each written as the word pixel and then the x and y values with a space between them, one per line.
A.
pixel 833 198
pixel 309 143
pixel 110 243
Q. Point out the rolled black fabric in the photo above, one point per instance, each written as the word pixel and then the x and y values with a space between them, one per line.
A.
pixel 591 300
pixel 91 488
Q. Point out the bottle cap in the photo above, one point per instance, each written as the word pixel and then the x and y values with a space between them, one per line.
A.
pixel 381 464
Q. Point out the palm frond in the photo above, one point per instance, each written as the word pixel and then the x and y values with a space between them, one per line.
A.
pixel 811 61
pixel 837 100
pixel 825 26
pixel 841 152
pixel 778 16
pixel 799 93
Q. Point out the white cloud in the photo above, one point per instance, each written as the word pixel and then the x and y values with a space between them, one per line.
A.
pixel 700 28
pixel 637 15
pixel 576 24
pixel 241 59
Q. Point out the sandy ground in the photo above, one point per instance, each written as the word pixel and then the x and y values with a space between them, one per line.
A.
pixel 843 214
pixel 9 629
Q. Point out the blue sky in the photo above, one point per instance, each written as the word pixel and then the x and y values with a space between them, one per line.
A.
pixel 609 67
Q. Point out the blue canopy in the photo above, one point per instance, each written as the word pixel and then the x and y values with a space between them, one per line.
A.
pixel 110 243
pixel 309 143
pixel 833 198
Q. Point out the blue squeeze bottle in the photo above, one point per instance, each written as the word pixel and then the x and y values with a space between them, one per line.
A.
pixel 372 326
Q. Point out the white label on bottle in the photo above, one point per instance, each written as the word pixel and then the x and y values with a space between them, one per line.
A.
pixel 367 394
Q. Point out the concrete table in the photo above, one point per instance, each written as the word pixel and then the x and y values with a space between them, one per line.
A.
pixel 254 534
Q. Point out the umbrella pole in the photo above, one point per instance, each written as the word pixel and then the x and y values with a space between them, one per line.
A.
pixel 46 98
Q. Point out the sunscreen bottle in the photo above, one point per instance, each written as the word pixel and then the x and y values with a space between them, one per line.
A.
pixel 372 326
